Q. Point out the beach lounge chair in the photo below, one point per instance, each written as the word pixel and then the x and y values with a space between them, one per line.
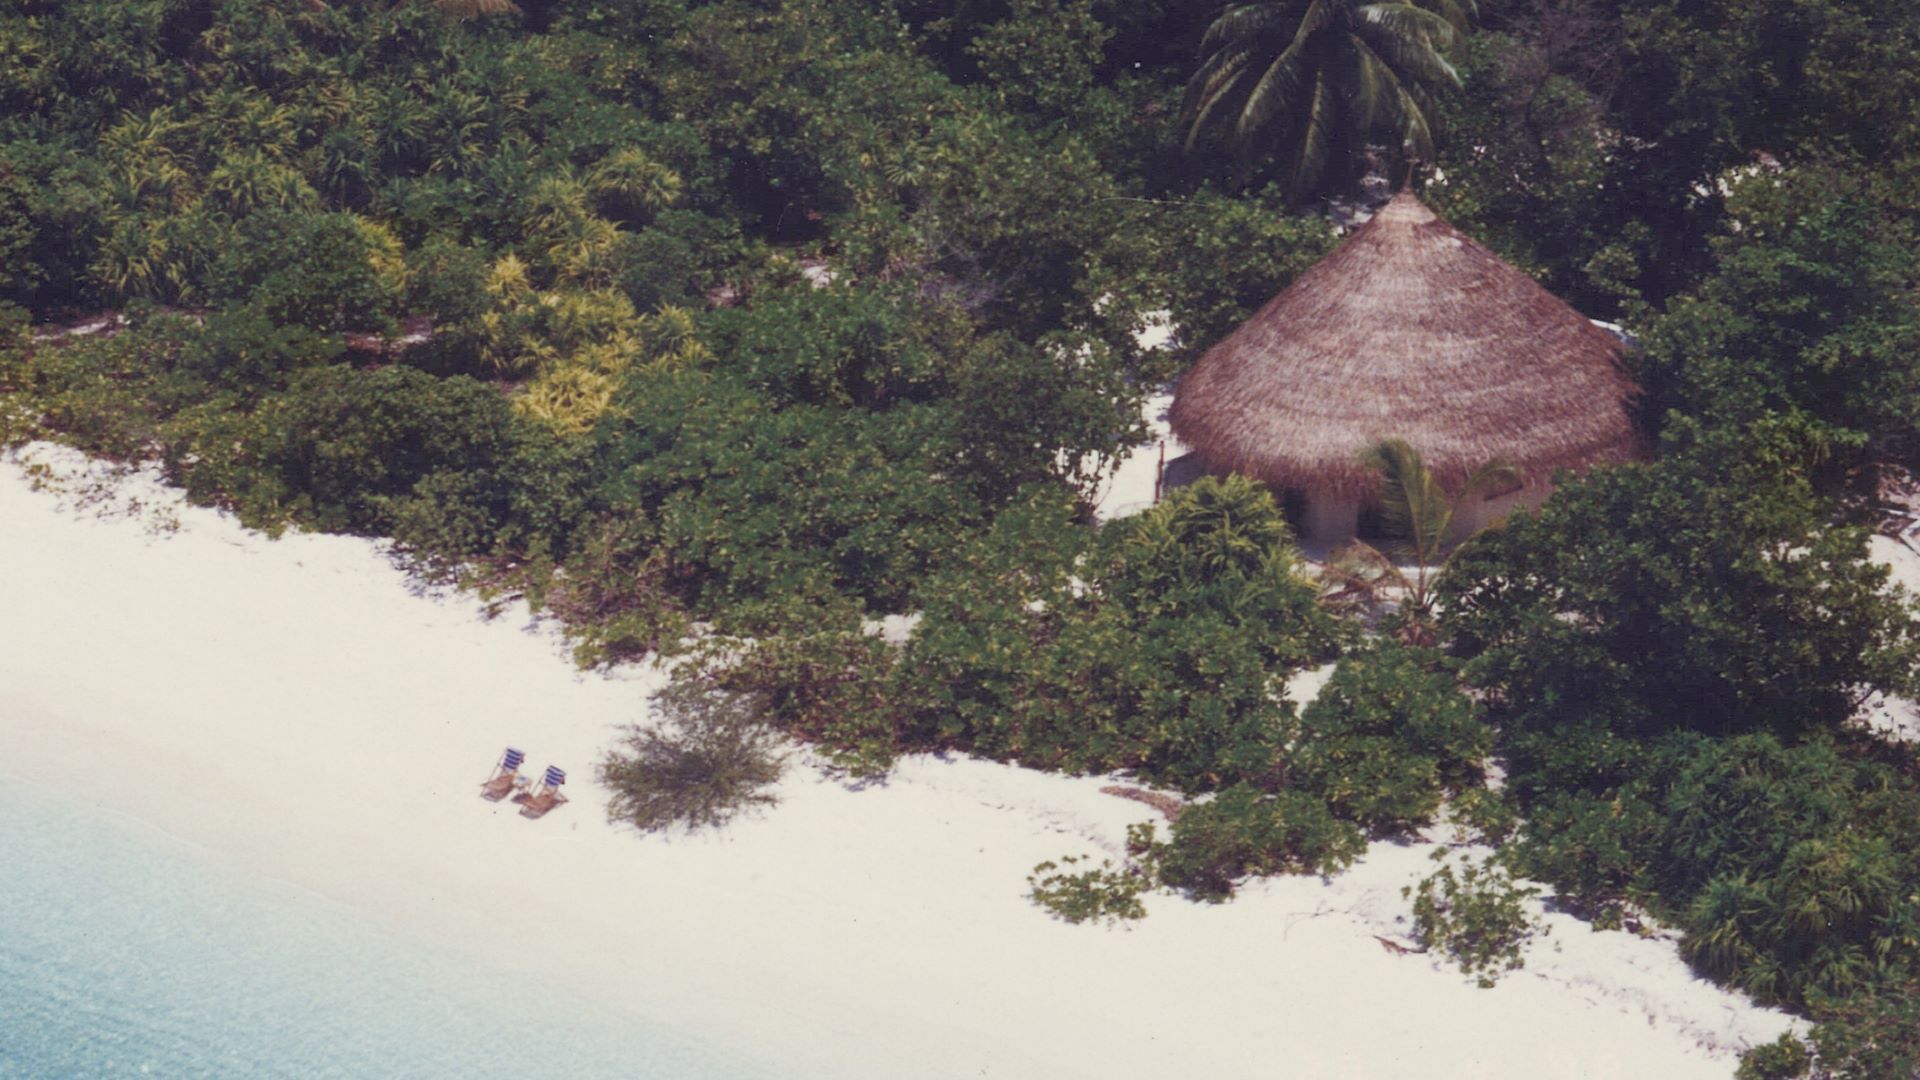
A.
pixel 545 796
pixel 506 776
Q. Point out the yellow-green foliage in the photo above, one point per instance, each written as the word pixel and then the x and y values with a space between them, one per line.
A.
pixel 569 398
pixel 669 337
pixel 631 184
pixel 576 344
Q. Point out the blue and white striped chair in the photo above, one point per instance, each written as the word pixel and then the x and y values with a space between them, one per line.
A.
pixel 545 796
pixel 506 775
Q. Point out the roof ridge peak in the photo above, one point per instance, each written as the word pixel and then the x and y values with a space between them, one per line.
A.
pixel 1407 207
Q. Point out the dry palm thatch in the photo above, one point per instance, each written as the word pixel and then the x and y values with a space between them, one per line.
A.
pixel 1409 330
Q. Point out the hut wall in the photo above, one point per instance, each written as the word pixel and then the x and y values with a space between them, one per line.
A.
pixel 1329 518
pixel 1473 516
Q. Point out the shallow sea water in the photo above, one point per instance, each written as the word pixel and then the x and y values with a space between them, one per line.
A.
pixel 126 952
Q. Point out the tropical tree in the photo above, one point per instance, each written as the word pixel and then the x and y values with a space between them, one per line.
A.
pixel 1416 514
pixel 1284 86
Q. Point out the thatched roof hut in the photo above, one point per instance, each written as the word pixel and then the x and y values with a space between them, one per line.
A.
pixel 1409 330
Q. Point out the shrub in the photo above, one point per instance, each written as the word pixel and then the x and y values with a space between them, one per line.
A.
pixel 1155 645
pixel 1707 591
pixel 1387 735
pixel 1100 894
pixel 325 271
pixel 1483 815
pixel 1244 831
pixel 675 260
pixel 828 688
pixel 1785 1058
pixel 341 447
pixel 1870 1036
pixel 245 350
pixel 1219 547
pixel 1477 917
pixel 107 394
pixel 613 593
pixel 773 514
pixel 447 281
pixel 710 757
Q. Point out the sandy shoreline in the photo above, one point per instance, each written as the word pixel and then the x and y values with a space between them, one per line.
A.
pixel 294 706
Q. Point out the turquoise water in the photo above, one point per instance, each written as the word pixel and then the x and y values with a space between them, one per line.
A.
pixel 125 952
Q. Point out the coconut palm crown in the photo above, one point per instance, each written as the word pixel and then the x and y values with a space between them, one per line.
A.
pixel 1283 86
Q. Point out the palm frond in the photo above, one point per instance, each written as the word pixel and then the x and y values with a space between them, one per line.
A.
pixel 1491 476
pixel 1241 23
pixel 1278 87
pixel 1373 85
pixel 1212 88
pixel 1412 504
pixel 1409 22
pixel 1300 77
pixel 1398 102
pixel 1416 59
pixel 1309 152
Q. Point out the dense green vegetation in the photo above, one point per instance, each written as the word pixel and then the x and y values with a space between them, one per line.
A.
pixel 725 326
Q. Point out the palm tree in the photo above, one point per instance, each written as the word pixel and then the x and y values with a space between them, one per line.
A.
pixel 1416 513
pixel 1283 84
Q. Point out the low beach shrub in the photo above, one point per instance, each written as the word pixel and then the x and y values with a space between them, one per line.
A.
pixel 1785 1058
pixel 1870 1035
pixel 709 757
pixel 1245 831
pixel 341 447
pixel 1708 591
pixel 1097 894
pixel 1477 917
pixel 614 594
pixel 1480 814
pixel 1389 734
pixel 1156 645
pixel 828 688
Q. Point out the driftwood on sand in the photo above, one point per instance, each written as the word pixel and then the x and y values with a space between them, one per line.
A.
pixel 1168 805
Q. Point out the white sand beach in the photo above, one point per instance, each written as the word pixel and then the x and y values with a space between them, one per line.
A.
pixel 294 706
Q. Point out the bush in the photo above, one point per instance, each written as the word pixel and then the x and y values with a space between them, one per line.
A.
pixel 613 593
pixel 1483 815
pixel 1707 591
pixel 773 514
pixel 106 394
pixel 1790 868
pixel 1099 894
pixel 1156 645
pixel 709 758
pixel 324 271
pixel 1871 1036
pixel 1389 733
pixel 1786 1058
pixel 828 688
pixel 1243 831
pixel 1477 917
pixel 676 259
pixel 341 447
pixel 243 349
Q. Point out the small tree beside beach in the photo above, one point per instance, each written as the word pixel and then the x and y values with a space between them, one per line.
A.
pixel 708 759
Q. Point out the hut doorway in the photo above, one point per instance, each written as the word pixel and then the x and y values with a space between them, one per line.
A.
pixel 1293 505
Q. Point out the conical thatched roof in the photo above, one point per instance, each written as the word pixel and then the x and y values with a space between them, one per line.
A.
pixel 1408 330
